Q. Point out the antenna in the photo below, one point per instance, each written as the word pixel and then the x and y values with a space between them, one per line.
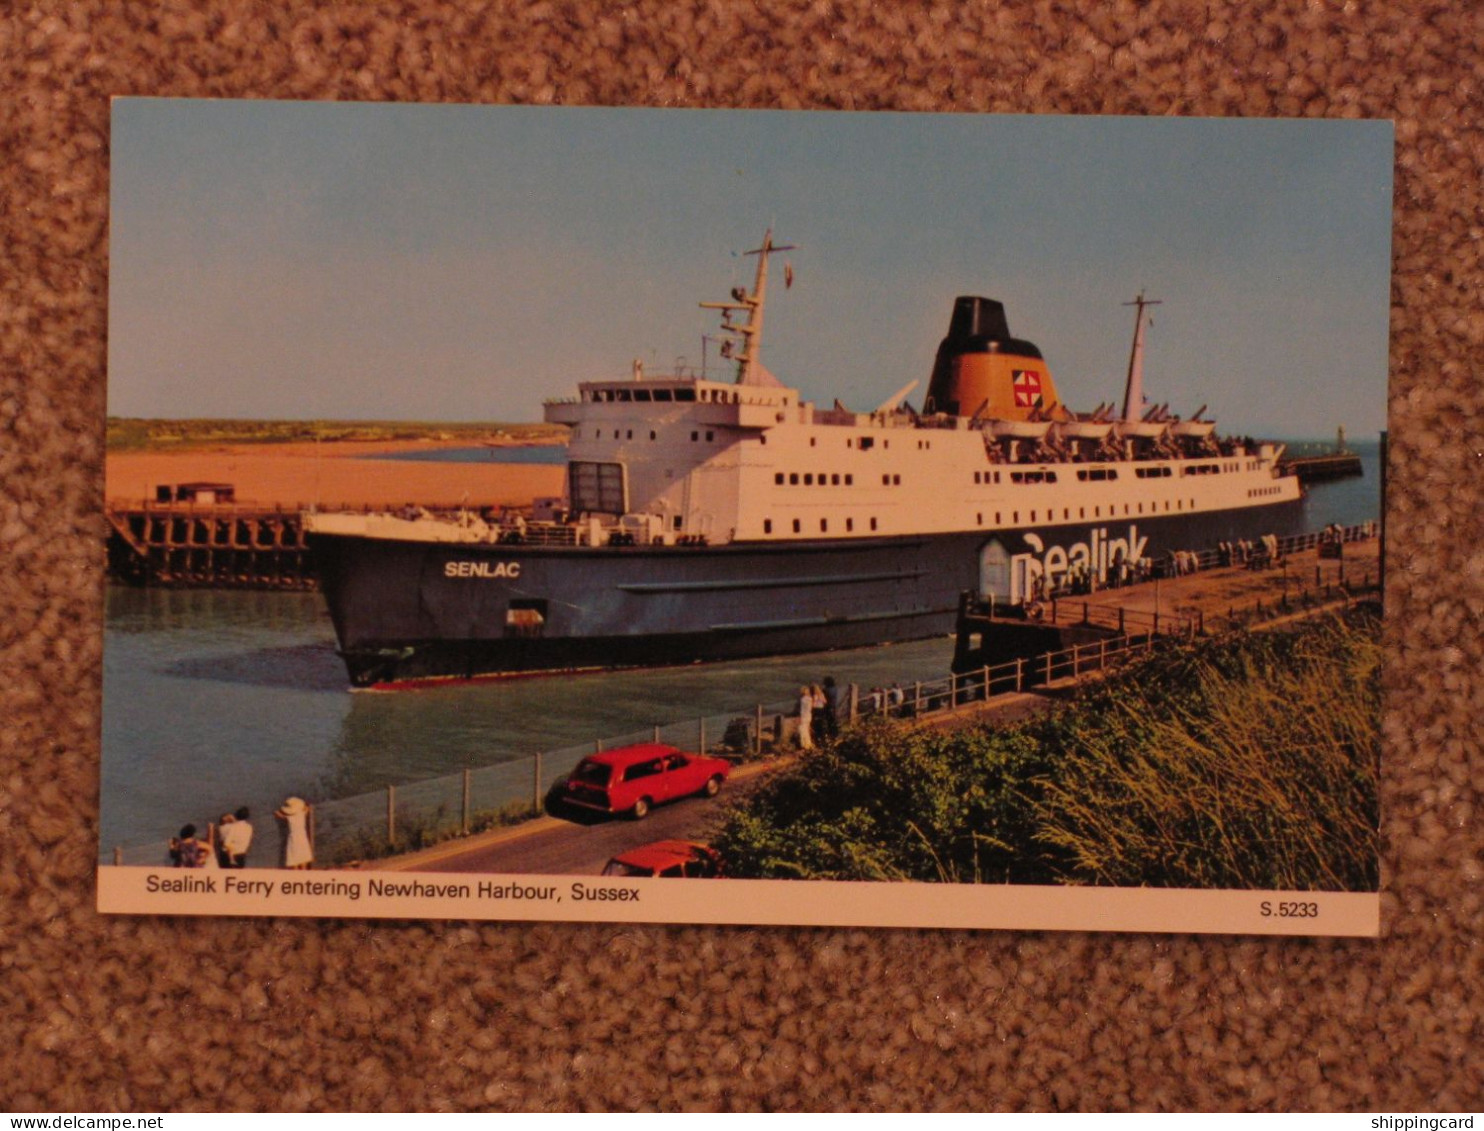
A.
pixel 1133 391
pixel 749 367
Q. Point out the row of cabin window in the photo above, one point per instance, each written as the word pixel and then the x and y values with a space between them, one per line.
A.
pixel 808 479
pixel 1261 492
pixel 1066 514
pixel 645 396
pixel 1097 512
pixel 628 434
pixel 824 525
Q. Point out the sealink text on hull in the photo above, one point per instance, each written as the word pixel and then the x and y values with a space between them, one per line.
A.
pixel 710 519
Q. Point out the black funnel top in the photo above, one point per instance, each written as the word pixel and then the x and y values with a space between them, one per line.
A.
pixel 979 326
pixel 975 317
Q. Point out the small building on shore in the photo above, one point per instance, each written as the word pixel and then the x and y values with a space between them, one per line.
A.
pixel 206 494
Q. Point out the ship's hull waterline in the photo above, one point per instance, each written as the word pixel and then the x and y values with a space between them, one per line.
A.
pixel 407 611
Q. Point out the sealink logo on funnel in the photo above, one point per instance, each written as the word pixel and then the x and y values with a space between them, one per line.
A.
pixel 1101 557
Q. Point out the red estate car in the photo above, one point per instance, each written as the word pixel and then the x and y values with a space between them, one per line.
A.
pixel 634 779
pixel 679 858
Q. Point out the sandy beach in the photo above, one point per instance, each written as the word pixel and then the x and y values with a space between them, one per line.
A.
pixel 295 476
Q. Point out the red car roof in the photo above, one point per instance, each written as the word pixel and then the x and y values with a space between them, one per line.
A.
pixel 623 755
pixel 661 853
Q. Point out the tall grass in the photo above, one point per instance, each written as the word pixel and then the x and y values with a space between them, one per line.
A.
pixel 1251 766
pixel 1248 762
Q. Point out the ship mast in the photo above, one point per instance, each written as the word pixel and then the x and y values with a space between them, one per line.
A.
pixel 749 367
pixel 1133 392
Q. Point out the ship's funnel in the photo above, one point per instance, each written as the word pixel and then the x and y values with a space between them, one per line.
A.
pixel 980 366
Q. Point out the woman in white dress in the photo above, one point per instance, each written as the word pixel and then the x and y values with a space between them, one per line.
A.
pixel 806 719
pixel 298 851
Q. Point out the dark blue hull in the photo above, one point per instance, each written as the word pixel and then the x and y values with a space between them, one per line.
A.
pixel 406 611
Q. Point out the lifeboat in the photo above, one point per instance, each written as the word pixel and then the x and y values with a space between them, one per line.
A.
pixel 1018 429
pixel 1193 429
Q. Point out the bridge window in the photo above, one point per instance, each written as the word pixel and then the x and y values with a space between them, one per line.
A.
pixel 796 526
pixel 767 526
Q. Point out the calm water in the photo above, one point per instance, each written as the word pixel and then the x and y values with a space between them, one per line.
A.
pixel 215 699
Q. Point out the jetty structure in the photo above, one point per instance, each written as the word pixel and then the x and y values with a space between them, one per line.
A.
pixel 194 537
pixel 707 519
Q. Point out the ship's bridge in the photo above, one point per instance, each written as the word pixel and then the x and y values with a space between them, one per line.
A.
pixel 715 403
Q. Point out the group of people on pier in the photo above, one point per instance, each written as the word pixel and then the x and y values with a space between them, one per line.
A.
pixel 824 707
pixel 228 841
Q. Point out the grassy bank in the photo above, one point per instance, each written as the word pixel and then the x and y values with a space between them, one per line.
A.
pixel 131 434
pixel 1245 762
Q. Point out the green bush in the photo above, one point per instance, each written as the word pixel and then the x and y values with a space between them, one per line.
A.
pixel 1247 762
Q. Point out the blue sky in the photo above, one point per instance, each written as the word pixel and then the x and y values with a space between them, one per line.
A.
pixel 373 261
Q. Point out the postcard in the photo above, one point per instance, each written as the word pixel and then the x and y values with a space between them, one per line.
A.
pixel 745 517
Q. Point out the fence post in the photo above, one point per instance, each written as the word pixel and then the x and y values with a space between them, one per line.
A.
pixel 1019 673
pixel 465 806
pixel 952 690
pixel 391 815
pixel 917 699
pixel 656 734
pixel 597 746
pixel 1048 667
pixel 118 855
pixel 1102 653
pixel 758 741
pixel 1075 649
pixel 701 745
pixel 855 702
pixel 536 784
pixel 986 683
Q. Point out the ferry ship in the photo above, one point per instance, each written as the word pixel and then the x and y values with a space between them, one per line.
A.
pixel 710 519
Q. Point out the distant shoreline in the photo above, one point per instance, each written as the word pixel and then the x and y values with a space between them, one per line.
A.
pixel 298 474
pixel 340 437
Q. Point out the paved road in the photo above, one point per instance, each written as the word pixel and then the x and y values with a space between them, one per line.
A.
pixel 581 843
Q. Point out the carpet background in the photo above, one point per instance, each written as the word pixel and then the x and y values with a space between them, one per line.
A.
pixel 142 1014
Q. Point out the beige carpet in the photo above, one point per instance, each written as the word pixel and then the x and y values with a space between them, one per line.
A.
pixel 140 1014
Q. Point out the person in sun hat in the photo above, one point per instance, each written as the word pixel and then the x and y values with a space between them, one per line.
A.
pixel 298 850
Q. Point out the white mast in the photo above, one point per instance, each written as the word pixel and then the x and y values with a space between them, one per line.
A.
pixel 749 367
pixel 1133 392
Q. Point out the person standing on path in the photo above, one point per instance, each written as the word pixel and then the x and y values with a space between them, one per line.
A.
pixel 806 719
pixel 298 851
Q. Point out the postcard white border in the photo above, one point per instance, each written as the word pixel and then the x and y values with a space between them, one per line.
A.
pixel 820 903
